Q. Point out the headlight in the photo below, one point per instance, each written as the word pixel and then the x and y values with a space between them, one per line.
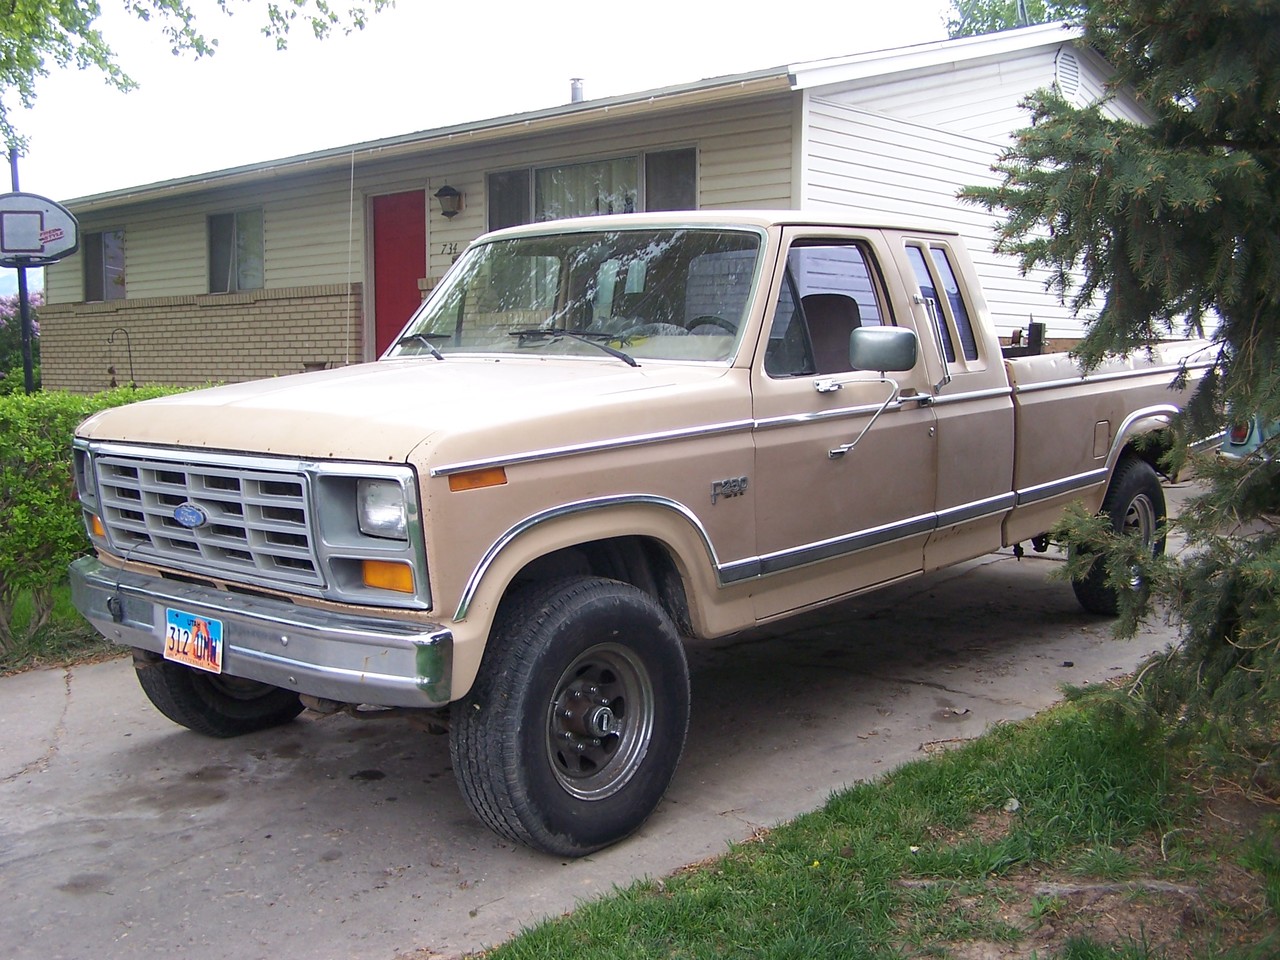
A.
pixel 381 508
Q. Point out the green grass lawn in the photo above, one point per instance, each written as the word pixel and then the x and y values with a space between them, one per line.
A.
pixel 1075 835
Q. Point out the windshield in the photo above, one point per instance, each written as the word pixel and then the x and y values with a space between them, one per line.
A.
pixel 670 294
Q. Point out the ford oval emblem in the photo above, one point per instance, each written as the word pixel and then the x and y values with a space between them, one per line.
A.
pixel 190 516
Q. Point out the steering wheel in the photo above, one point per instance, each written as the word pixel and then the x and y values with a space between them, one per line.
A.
pixel 702 326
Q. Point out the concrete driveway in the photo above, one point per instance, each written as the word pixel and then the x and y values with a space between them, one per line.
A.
pixel 122 835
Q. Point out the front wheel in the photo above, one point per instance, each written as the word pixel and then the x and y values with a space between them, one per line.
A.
pixel 1135 505
pixel 574 727
pixel 213 704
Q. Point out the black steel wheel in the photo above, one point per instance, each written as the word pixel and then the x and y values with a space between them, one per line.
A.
pixel 215 705
pixel 1136 506
pixel 574 728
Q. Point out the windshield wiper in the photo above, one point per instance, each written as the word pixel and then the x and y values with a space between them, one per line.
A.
pixel 425 340
pixel 584 336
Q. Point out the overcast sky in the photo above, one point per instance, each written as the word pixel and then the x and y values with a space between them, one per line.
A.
pixel 415 67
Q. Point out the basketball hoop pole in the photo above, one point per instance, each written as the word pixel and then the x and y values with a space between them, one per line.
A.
pixel 24 304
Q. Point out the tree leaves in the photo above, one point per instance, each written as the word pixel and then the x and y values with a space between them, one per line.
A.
pixel 37 36
pixel 1162 229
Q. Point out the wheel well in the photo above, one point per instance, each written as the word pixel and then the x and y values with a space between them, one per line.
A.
pixel 639 561
pixel 1151 447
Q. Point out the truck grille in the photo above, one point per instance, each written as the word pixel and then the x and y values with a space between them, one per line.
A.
pixel 258 528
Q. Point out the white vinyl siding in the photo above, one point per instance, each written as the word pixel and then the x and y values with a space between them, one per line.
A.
pixel 975 99
pixel 884 169
pixel 980 99
pixel 1094 72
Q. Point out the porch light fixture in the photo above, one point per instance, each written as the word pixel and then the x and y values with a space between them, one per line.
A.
pixel 450 201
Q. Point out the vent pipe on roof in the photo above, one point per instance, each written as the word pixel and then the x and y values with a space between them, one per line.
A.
pixel 575 90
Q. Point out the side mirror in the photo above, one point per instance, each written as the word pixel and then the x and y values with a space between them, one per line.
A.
pixel 886 349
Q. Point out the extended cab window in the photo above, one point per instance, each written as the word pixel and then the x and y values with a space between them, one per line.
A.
pixel 937 275
pixel 829 290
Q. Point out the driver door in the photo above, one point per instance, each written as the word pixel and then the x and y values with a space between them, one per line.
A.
pixel 832 523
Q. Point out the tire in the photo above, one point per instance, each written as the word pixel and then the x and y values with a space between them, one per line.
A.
pixel 575 725
pixel 211 704
pixel 1135 504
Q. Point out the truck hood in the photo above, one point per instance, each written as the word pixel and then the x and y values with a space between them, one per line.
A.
pixel 381 411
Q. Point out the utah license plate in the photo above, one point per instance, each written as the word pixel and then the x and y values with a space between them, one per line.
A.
pixel 193 641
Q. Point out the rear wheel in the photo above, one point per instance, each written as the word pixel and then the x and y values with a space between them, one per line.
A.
pixel 1136 507
pixel 574 727
pixel 213 704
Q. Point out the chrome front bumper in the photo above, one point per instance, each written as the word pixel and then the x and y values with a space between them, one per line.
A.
pixel 352 658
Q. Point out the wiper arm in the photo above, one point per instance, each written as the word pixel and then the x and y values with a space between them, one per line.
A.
pixel 425 339
pixel 584 336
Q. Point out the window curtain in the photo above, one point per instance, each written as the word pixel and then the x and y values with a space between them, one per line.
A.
pixel 587 189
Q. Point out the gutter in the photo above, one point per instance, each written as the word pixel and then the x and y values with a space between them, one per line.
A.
pixel 719 89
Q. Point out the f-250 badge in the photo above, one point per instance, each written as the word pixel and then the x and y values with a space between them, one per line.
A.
pixel 733 487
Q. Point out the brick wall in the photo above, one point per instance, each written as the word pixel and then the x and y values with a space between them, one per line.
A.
pixel 188 341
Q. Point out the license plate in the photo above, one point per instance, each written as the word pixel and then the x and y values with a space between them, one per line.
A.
pixel 193 641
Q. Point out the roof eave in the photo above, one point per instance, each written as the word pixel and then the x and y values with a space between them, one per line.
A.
pixel 880 63
pixel 737 86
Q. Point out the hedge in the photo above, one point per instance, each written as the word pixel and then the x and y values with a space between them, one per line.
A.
pixel 41 529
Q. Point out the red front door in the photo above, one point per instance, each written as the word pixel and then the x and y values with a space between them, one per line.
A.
pixel 399 261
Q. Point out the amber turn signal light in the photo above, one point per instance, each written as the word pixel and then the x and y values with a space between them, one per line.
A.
pixel 475 479
pixel 96 525
pixel 387 575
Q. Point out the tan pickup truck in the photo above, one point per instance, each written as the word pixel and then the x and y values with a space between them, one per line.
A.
pixel 596 437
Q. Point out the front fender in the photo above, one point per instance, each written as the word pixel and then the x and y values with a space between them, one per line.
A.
pixel 714 608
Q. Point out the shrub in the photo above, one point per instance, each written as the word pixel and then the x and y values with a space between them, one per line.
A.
pixel 11 372
pixel 41 530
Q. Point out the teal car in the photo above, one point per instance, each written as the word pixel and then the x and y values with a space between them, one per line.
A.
pixel 1246 437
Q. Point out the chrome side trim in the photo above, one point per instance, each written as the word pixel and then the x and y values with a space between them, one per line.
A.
pixel 976 510
pixel 748 568
pixel 566 510
pixel 943 399
pixel 850 543
pixel 797 419
pixel 595 446
pixel 662 436
pixel 1173 368
pixel 1043 491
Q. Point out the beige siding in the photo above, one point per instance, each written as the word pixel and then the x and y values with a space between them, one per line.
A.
pixel 64 281
pixel 744 155
pixel 885 169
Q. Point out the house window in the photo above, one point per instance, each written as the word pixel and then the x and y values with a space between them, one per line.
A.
pixel 104 265
pixel 509 199
pixel 594 188
pixel 586 189
pixel 670 180
pixel 235 251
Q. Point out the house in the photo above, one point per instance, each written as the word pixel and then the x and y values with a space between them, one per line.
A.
pixel 317 260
